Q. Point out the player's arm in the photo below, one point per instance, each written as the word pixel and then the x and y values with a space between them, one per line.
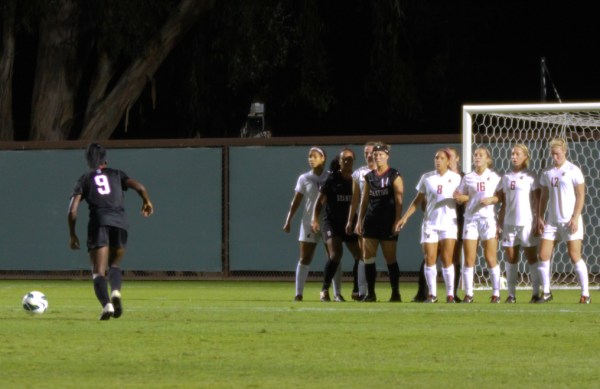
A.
pixel 459 194
pixel 321 199
pixel 72 221
pixel 398 195
pixel 362 210
pixel 292 211
pixel 579 201
pixel 502 212
pixel 416 203
pixel 147 207
pixel 543 203
pixel 353 206
pixel 535 206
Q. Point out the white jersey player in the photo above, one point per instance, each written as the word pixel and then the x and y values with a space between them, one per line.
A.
pixel 439 228
pixel 477 190
pixel 307 187
pixel 519 194
pixel 563 193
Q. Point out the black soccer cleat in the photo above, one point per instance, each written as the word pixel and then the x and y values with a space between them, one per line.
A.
pixel 395 298
pixel 545 298
pixel 370 298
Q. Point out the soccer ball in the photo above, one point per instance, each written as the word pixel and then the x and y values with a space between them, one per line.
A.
pixel 35 302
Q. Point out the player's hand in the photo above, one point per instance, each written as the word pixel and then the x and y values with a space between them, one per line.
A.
pixel 487 201
pixel 147 209
pixel 315 226
pixel 286 227
pixel 540 226
pixel 358 230
pixel 74 243
pixel 349 229
pixel 573 224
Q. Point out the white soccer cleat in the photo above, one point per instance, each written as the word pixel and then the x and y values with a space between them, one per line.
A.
pixel 107 312
pixel 115 299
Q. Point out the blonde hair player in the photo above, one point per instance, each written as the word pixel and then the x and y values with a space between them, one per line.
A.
pixel 519 193
pixel 378 220
pixel 563 193
pixel 477 191
pixel 439 229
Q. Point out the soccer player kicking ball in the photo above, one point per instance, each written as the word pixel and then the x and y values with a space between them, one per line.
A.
pixel 103 189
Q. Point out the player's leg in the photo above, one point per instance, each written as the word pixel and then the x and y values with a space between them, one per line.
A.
pixel 354 249
pixel 546 248
pixel 369 252
pixel 446 249
pixel 388 249
pixel 457 260
pixel 532 261
pixel 422 290
pixel 431 251
pixel 512 271
pixel 98 242
pixel 574 249
pixel 115 256
pixel 470 253
pixel 334 248
pixel 361 279
pixel 307 251
pixel 490 250
pixel 99 259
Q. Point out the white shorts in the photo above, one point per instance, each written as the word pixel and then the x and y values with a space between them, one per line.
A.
pixel 519 236
pixel 483 229
pixel 561 232
pixel 429 234
pixel 306 232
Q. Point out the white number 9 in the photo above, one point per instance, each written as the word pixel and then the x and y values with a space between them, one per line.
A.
pixel 102 184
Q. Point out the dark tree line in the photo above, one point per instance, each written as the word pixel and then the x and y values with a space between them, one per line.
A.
pixel 98 69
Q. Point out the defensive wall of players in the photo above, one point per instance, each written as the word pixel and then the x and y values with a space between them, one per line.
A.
pixel 220 203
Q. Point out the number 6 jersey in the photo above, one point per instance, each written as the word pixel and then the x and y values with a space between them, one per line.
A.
pixel 103 190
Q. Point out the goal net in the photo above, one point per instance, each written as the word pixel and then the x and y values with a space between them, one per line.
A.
pixel 499 127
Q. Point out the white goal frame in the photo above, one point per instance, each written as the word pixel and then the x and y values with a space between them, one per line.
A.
pixel 498 127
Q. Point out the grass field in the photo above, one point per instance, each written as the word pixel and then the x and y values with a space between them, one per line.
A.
pixel 200 334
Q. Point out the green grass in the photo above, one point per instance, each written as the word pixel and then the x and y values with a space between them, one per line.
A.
pixel 196 334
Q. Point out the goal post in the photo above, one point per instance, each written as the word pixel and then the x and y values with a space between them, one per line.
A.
pixel 499 127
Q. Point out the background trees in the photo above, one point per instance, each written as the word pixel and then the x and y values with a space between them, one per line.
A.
pixel 96 69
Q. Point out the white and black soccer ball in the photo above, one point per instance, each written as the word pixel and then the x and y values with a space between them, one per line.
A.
pixel 35 302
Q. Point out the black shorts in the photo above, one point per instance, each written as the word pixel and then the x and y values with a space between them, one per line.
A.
pixel 374 229
pixel 101 236
pixel 336 230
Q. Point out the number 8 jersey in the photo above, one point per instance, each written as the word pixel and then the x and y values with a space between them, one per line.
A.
pixel 103 190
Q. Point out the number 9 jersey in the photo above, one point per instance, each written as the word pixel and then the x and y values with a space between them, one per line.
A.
pixel 103 190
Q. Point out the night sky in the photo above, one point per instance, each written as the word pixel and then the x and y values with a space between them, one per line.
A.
pixel 458 52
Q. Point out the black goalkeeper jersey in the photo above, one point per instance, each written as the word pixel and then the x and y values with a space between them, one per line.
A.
pixel 103 190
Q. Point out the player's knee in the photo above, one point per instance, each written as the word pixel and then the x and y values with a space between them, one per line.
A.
pixel 369 261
